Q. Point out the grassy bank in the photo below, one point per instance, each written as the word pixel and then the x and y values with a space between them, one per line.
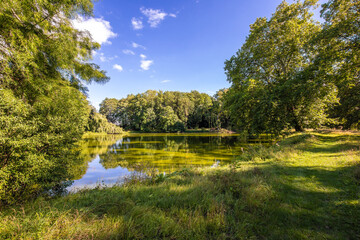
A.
pixel 99 134
pixel 305 187
pixel 190 130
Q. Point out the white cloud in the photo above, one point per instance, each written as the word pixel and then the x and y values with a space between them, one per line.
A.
pixel 128 52
pixel 118 67
pixel 155 16
pixel 103 58
pixel 99 29
pixel 172 15
pixel 135 45
pixel 165 81
pixel 145 64
pixel 136 23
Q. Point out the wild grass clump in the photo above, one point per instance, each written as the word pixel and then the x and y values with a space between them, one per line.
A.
pixel 280 150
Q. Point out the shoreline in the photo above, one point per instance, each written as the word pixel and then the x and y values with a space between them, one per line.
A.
pixel 305 187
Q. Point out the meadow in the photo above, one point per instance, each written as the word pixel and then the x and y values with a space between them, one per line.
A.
pixel 305 186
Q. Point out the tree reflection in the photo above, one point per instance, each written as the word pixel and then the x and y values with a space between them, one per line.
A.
pixel 164 152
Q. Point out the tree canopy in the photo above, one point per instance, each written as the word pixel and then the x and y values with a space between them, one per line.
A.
pixel 273 87
pixel 338 58
pixel 165 111
pixel 44 64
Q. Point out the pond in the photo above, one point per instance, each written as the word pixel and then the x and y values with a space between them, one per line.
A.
pixel 108 159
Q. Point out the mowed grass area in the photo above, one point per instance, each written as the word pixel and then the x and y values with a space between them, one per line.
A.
pixel 305 187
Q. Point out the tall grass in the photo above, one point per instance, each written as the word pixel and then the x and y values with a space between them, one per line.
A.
pixel 306 186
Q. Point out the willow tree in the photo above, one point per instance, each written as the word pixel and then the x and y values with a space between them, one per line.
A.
pixel 44 63
pixel 271 88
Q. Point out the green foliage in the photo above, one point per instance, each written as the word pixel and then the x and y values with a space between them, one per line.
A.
pixel 306 189
pixel 98 123
pixel 108 108
pixel 37 39
pixel 272 88
pixel 167 119
pixel 338 58
pixel 166 111
pixel 43 65
pixel 35 141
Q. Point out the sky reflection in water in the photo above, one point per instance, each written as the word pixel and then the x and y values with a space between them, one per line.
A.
pixel 108 159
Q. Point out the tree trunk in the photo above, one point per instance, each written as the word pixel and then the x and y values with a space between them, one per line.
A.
pixel 298 127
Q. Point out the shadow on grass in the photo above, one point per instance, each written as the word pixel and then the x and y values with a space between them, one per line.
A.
pixel 262 199
pixel 335 138
pixel 267 202
pixel 329 143
pixel 336 148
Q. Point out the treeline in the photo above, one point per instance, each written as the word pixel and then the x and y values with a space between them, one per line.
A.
pixel 44 64
pixel 169 111
pixel 293 72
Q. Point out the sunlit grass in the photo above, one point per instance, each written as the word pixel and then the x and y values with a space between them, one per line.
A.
pixel 305 187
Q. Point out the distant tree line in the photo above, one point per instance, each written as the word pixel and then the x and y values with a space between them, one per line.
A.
pixel 293 72
pixel 169 111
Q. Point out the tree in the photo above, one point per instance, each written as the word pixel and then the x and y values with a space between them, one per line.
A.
pixel 99 123
pixel 200 116
pixel 222 117
pixel 44 62
pixel 168 120
pixel 108 108
pixel 271 88
pixel 123 116
pixel 39 46
pixel 338 57
pixel 184 107
pixel 149 120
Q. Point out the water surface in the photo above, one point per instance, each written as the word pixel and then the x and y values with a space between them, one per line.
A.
pixel 108 159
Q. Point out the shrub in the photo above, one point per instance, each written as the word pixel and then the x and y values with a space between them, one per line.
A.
pixel 36 142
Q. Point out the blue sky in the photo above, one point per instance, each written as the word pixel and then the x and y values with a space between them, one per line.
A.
pixel 178 45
